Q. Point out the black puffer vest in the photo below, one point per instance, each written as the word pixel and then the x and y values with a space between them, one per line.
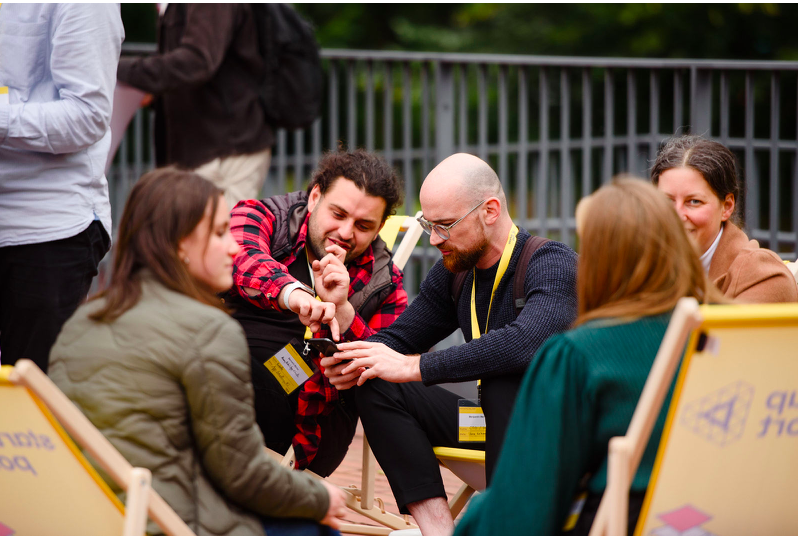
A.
pixel 269 329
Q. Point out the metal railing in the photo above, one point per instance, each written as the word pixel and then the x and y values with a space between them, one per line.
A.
pixel 554 128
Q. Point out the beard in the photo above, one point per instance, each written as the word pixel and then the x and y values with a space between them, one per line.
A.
pixel 460 260
pixel 315 241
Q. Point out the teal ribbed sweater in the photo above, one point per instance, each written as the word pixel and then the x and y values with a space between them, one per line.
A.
pixel 580 390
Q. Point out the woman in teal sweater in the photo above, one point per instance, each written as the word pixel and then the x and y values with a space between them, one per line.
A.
pixel 582 386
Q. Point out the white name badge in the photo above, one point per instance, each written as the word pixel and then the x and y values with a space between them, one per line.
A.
pixel 289 368
pixel 4 95
pixel 471 422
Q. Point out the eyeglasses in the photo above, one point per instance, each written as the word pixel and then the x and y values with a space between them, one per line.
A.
pixel 443 230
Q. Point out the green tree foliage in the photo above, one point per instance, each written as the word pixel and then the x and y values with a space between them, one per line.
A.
pixel 736 31
pixel 700 30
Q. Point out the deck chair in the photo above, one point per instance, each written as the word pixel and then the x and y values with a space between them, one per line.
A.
pixel 47 486
pixel 726 462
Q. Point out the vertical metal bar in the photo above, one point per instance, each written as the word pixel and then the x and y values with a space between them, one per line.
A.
pixel 607 156
pixel 794 205
pixel 701 101
pixel 774 163
pixel 752 192
pixel 521 167
pixel 482 91
pixel 123 182
pixel 445 111
pixel 407 169
pixel 543 156
pixel 352 108
pixel 724 107
pixel 502 110
pixel 138 146
pixel 388 113
pixel 370 108
pixel 333 106
pixel 586 146
pixel 281 160
pixel 317 141
pixel 299 159
pixel 151 138
pixel 566 178
pixel 654 113
pixel 463 111
pixel 424 80
pixel 631 123
pixel 678 113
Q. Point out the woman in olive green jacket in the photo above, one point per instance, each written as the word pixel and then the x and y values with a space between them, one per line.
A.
pixel 163 372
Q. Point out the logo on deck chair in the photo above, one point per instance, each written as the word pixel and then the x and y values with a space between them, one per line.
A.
pixel 720 416
pixel 684 521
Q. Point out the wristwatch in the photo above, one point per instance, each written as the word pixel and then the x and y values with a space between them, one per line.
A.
pixel 291 287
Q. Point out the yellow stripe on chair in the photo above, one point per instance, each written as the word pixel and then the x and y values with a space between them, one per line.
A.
pixel 466 455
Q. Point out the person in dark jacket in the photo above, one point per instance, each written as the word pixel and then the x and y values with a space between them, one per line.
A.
pixel 324 240
pixel 205 79
pixel 403 413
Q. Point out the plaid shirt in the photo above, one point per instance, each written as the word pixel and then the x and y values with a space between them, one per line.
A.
pixel 252 224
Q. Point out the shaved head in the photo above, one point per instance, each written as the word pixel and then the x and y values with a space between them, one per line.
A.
pixel 463 179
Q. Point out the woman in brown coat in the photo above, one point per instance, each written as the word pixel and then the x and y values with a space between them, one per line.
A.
pixel 698 175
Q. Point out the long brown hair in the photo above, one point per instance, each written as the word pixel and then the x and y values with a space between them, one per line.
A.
pixel 635 258
pixel 164 207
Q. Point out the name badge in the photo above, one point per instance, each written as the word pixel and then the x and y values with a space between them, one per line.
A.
pixel 290 368
pixel 471 422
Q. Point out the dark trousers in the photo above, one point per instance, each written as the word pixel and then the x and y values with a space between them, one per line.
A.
pixel 275 414
pixel 41 285
pixel 404 421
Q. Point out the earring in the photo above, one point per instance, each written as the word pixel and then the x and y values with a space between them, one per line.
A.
pixel 185 260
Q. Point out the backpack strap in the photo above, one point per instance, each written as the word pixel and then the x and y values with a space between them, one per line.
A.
pixel 456 288
pixel 519 296
pixel 530 247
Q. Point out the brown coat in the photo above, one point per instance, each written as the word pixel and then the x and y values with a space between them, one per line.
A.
pixel 747 273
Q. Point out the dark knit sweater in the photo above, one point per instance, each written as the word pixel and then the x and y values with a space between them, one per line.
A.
pixel 511 341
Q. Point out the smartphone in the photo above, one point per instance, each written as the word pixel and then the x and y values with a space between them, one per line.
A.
pixel 325 346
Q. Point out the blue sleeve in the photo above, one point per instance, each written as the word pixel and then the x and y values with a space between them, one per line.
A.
pixel 430 318
pixel 545 450
pixel 550 286
pixel 85 41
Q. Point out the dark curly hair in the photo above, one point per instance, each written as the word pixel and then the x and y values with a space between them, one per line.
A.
pixel 370 172
pixel 711 159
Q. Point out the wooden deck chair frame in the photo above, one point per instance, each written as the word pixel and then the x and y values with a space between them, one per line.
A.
pixel 625 452
pixel 142 500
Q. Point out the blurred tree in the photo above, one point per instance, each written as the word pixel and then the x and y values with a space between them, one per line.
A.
pixel 700 30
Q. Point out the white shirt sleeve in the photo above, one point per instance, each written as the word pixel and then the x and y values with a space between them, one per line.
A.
pixel 84 45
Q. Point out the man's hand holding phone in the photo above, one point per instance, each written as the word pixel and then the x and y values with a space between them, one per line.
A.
pixel 333 366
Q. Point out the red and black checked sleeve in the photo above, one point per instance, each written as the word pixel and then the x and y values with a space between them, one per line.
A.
pixel 316 395
pixel 251 224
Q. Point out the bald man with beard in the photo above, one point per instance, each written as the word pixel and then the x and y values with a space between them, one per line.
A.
pixel 404 413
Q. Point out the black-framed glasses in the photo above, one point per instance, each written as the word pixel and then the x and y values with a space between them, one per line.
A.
pixel 443 230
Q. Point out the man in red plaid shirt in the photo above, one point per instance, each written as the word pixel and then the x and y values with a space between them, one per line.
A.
pixel 323 243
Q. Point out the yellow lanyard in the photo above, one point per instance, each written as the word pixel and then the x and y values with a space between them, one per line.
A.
pixel 308 334
pixel 503 265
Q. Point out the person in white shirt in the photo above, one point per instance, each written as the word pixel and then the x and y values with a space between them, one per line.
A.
pixel 57 73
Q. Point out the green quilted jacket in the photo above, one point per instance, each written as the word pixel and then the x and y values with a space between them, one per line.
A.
pixel 168 383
